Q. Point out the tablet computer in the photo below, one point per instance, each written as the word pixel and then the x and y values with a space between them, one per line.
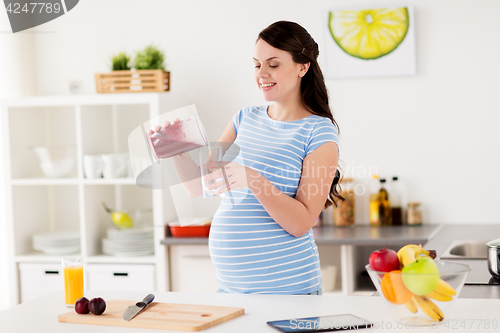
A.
pixel 339 322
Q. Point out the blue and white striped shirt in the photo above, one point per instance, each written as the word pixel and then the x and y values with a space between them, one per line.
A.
pixel 251 252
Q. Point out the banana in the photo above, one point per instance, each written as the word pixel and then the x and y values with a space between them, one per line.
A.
pixel 408 253
pixel 444 288
pixel 429 307
pixel 411 305
pixel 439 297
pixel 411 252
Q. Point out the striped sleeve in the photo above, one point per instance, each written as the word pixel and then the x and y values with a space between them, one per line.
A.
pixel 238 118
pixel 324 131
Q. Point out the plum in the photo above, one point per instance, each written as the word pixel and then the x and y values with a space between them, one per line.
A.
pixel 97 305
pixel 82 305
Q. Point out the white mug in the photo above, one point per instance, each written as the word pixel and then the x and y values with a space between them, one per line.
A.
pixel 114 166
pixel 92 166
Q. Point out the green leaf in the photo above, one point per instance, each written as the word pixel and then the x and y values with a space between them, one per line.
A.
pixel 149 58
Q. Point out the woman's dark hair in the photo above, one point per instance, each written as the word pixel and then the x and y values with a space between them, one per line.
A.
pixel 291 37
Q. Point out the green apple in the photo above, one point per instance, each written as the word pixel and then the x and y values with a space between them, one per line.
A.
pixel 421 276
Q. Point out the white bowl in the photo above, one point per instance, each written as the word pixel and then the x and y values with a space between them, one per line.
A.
pixel 57 169
pixel 55 162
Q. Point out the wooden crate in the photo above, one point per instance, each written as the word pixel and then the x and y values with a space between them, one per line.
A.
pixel 143 80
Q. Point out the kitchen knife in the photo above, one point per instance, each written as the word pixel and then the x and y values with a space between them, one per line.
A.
pixel 135 309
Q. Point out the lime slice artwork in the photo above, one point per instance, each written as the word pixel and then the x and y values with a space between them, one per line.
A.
pixel 371 33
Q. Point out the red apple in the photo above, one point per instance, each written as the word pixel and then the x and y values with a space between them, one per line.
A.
pixel 384 260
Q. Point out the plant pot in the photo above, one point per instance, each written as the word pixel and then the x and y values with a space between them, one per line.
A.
pixel 144 80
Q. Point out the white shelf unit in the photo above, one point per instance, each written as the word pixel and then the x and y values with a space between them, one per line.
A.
pixel 93 124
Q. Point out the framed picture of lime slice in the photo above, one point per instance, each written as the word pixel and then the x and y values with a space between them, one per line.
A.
pixel 370 42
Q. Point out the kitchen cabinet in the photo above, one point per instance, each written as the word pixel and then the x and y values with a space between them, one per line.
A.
pixel 137 277
pixel 39 279
pixel 93 124
pixel 192 269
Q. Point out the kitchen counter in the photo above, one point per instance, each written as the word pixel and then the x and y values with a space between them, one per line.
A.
pixel 479 274
pixel 354 235
pixel 470 232
pixel 41 314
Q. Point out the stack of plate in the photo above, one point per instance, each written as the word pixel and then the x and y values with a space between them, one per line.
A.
pixel 57 242
pixel 131 242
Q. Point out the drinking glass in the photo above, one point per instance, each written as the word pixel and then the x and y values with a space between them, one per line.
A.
pixel 209 155
pixel 73 280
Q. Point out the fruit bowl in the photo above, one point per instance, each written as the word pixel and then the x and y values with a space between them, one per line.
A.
pixel 427 309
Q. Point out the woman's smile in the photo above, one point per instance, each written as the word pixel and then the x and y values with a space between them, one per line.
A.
pixel 265 86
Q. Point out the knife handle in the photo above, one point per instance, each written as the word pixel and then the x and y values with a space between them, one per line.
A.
pixel 148 299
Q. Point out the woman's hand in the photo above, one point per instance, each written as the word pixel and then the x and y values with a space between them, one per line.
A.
pixel 230 176
pixel 161 130
pixel 167 123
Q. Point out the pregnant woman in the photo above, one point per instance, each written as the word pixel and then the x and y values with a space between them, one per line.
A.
pixel 283 175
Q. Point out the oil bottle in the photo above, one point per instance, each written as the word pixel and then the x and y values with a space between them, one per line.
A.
pixel 374 201
pixel 384 208
pixel 396 202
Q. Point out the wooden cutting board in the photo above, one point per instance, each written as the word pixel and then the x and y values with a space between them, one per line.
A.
pixel 166 316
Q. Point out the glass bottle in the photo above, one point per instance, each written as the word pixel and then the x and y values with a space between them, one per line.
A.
pixel 374 201
pixel 343 214
pixel 395 195
pixel 414 215
pixel 384 209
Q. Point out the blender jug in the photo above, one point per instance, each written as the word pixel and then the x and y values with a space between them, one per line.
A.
pixel 178 138
pixel 146 151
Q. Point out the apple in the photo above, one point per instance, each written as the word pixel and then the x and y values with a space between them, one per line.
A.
pixel 421 276
pixel 384 260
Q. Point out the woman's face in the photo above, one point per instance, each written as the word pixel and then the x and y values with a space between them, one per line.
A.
pixel 277 75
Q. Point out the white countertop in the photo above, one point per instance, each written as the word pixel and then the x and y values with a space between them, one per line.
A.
pixel 40 315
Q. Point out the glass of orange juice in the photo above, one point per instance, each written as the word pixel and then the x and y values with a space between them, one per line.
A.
pixel 73 280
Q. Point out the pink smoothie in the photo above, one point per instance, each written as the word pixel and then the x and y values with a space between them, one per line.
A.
pixel 170 141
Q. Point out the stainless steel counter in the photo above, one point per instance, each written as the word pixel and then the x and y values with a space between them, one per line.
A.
pixel 354 235
pixel 479 278
pixel 376 236
pixel 448 233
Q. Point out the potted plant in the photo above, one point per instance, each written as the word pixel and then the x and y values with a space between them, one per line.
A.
pixel 120 62
pixel 149 58
pixel 148 73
